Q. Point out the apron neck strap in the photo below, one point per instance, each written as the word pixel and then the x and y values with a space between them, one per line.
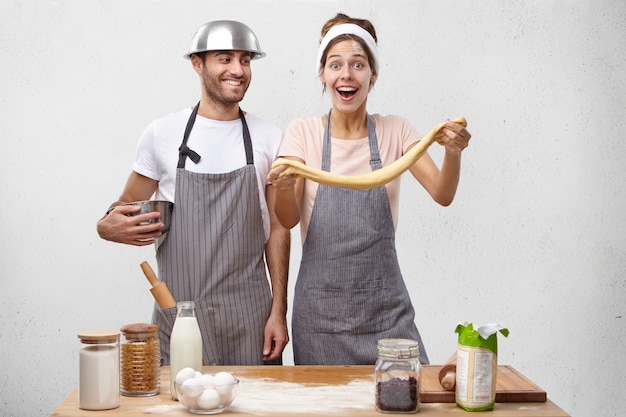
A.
pixel 375 162
pixel 184 151
pixel 247 142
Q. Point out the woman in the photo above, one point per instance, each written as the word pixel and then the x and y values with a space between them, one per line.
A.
pixel 350 292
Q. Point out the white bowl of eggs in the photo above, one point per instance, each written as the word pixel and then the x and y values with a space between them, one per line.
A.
pixel 205 393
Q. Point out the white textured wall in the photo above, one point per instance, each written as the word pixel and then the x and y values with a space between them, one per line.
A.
pixel 535 238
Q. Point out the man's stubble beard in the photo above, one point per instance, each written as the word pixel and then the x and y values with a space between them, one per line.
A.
pixel 213 90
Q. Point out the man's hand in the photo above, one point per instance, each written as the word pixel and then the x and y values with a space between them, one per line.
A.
pixel 118 226
pixel 276 337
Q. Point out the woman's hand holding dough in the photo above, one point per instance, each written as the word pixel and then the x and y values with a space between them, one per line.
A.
pixel 371 179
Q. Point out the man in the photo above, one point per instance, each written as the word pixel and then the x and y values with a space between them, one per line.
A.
pixel 212 162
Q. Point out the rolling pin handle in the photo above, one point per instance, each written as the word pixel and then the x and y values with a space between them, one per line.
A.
pixel 149 273
pixel 449 381
pixel 447 374
pixel 159 290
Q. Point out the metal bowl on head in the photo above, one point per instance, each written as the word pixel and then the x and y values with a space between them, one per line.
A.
pixel 225 35
pixel 149 206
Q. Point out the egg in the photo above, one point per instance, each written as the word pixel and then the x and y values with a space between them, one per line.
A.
pixel 224 391
pixel 226 396
pixel 209 399
pixel 191 387
pixel 189 402
pixel 184 374
pixel 208 381
pixel 224 378
pixel 224 384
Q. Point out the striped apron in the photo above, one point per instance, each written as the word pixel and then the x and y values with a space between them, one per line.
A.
pixel 350 292
pixel 213 255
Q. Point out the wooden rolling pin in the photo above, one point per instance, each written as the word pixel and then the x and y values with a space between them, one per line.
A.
pixel 447 374
pixel 159 290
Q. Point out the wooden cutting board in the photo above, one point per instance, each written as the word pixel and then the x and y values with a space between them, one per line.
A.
pixel 511 386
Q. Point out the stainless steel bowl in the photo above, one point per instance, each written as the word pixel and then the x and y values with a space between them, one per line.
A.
pixel 149 206
pixel 225 35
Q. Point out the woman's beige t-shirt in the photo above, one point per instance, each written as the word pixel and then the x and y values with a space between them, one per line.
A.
pixel 304 139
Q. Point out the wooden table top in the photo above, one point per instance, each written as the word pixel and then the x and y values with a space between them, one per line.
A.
pixel 307 391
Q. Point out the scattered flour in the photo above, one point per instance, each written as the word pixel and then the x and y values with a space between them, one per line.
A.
pixel 258 396
pixel 162 409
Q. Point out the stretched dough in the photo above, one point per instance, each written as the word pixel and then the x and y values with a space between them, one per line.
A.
pixel 371 179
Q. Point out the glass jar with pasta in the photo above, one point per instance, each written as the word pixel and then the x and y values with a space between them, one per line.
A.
pixel 140 362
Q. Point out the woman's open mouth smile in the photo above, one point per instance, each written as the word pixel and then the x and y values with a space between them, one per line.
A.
pixel 347 92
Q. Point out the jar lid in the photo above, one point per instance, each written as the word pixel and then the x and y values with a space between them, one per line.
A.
pixel 99 337
pixel 398 348
pixel 139 330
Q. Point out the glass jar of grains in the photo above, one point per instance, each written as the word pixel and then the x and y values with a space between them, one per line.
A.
pixel 140 364
pixel 397 376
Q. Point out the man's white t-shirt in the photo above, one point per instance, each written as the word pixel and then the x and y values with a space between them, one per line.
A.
pixel 219 144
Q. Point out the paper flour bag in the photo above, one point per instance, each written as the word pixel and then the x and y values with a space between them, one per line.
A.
pixel 477 366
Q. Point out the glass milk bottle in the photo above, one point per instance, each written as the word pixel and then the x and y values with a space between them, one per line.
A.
pixel 397 376
pixel 185 342
pixel 99 371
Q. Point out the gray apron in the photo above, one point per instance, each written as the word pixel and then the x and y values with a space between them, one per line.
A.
pixel 213 255
pixel 350 292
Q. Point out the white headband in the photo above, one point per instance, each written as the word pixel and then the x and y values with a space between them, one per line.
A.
pixel 343 29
